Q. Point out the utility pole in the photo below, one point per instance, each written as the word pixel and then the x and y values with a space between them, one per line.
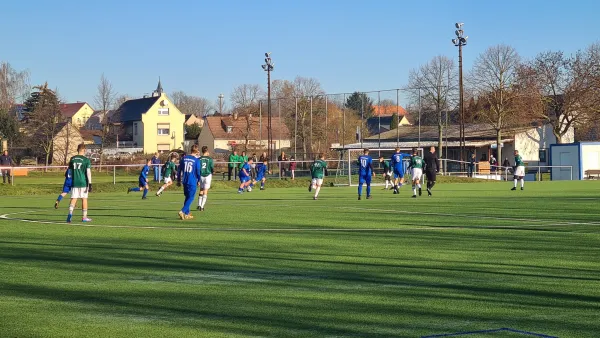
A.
pixel 221 96
pixel 459 42
pixel 268 67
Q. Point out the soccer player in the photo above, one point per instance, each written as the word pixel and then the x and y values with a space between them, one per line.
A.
pixel 365 163
pixel 66 187
pixel 397 164
pixel 261 171
pixel 387 172
pixel 432 167
pixel 519 171
pixel 143 180
pixel 416 165
pixel 81 169
pixel 189 175
pixel 245 179
pixel 318 170
pixel 168 172
pixel 207 168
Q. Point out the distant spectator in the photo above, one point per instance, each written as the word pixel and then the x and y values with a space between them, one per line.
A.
pixel 264 156
pixel 471 166
pixel 493 163
pixel 506 165
pixel 6 161
pixel 253 166
pixel 282 163
pixel 293 167
pixel 233 161
pixel 243 158
pixel 156 167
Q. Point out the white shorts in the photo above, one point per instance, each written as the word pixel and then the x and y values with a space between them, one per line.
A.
pixel 205 182
pixel 520 171
pixel 79 193
pixel 168 180
pixel 317 181
pixel 416 174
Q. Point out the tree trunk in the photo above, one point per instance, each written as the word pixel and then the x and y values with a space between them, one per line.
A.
pixel 499 145
pixel 557 135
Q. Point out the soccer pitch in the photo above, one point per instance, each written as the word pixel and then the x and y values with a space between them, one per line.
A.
pixel 470 260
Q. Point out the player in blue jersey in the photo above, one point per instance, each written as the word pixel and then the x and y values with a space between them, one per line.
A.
pixel 143 180
pixel 397 164
pixel 261 172
pixel 66 187
pixel 190 173
pixel 245 179
pixel 365 172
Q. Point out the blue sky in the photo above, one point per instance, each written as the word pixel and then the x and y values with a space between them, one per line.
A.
pixel 208 47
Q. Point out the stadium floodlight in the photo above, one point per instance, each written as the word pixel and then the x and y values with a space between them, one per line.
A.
pixel 458 25
pixel 454 41
pixel 459 42
pixel 268 67
pixel 457 33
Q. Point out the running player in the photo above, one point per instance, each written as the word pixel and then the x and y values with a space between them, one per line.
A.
pixel 189 175
pixel 245 179
pixel 261 171
pixel 318 171
pixel 81 169
pixel 143 180
pixel 207 168
pixel 66 187
pixel 387 172
pixel 365 163
pixel 519 171
pixel 168 172
pixel 416 165
pixel 397 164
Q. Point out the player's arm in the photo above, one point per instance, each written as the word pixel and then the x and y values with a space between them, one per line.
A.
pixel 179 172
pixel 88 176
pixel 212 166
pixel 372 169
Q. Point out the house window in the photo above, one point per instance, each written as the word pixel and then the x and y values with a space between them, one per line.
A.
pixel 164 129
pixel 163 111
pixel 229 129
pixel 135 129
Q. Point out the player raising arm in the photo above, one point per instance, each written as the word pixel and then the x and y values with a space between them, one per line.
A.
pixel 416 165
pixel 66 187
pixel 143 180
pixel 365 163
pixel 318 170
pixel 81 168
pixel 189 175
pixel 207 168
pixel 168 172
pixel 245 179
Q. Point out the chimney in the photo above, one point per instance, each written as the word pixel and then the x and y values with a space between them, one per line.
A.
pixel 250 116
pixel 235 116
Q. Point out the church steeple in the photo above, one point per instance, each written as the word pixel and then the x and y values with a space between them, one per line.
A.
pixel 159 89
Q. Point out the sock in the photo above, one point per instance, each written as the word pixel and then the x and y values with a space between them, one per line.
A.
pixel 262 184
pixel 360 189
pixel 400 185
pixel 160 190
pixel 200 198
pixel 84 213
pixel 515 180
pixel 251 185
pixel 368 190
pixel 414 189
pixel 241 189
pixel 386 184
pixel 432 184
pixel 522 183
pixel 317 191
pixel 60 197
pixel 71 208
pixel 204 201
pixel 419 185
pixel 135 189
pixel 145 192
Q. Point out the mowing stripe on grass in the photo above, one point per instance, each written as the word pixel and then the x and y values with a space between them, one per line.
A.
pixel 504 329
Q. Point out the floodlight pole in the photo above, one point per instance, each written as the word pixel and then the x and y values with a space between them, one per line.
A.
pixel 459 42
pixel 268 67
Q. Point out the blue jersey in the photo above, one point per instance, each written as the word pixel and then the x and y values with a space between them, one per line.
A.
pixel 68 178
pixel 261 170
pixel 365 163
pixel 397 161
pixel 245 167
pixel 190 170
pixel 144 173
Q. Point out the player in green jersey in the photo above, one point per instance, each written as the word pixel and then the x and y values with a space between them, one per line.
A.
pixel 81 169
pixel 168 173
pixel 318 171
pixel 519 171
pixel 207 168
pixel 387 172
pixel 416 165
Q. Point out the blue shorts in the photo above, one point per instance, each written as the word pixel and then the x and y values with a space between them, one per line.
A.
pixel 244 179
pixel 398 173
pixel 362 179
pixel 66 188
pixel 259 178
pixel 142 183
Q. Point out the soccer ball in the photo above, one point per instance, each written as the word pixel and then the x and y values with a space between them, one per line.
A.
pixel 249 189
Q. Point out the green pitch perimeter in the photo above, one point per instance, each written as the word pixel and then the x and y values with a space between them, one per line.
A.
pixel 276 263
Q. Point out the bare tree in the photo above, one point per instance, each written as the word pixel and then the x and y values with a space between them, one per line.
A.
pixel 493 76
pixel 245 98
pixel 434 86
pixel 120 100
pixel 105 99
pixel 191 105
pixel 14 86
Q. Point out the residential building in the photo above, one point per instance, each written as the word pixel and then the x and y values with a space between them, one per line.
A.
pixel 153 123
pixel 65 142
pixel 76 113
pixel 98 119
pixel 222 133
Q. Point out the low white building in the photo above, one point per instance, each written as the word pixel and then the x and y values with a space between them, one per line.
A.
pixel 574 160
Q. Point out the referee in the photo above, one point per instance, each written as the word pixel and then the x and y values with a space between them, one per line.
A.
pixel 432 166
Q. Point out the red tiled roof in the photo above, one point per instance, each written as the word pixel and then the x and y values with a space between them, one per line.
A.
pixel 70 109
pixel 239 127
pixel 388 110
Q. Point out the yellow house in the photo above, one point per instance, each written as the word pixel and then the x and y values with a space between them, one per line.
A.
pixel 76 113
pixel 152 123
pixel 65 142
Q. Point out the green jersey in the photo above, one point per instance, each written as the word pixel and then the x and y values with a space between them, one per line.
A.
pixel 386 166
pixel 318 168
pixel 79 166
pixel 519 161
pixel 416 162
pixel 232 159
pixel 169 169
pixel 206 165
pixel 242 159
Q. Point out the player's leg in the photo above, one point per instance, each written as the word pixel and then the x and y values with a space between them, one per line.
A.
pixel 361 181
pixel 318 183
pixel 84 209
pixel 146 188
pixel 368 182
pixel 135 189
pixel 72 205
pixel 59 198
pixel 185 209
pixel 515 179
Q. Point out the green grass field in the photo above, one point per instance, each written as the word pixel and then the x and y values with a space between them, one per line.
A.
pixel 276 263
